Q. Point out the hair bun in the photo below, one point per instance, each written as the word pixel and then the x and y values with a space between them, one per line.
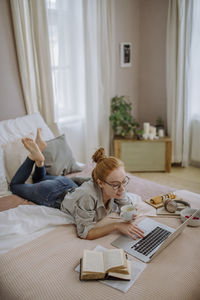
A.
pixel 99 155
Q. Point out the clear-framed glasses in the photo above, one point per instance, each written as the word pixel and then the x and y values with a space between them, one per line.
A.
pixel 117 185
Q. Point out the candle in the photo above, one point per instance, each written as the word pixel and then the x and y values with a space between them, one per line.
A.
pixel 153 130
pixel 146 127
pixel 161 133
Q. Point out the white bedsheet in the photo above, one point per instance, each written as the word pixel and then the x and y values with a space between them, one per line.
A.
pixel 26 222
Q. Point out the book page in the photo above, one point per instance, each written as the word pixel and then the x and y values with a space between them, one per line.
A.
pixel 120 275
pixel 113 258
pixel 92 261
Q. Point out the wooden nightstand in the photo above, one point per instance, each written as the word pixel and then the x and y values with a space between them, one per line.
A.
pixel 144 155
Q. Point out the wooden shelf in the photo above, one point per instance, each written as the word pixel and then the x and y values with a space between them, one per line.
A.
pixel 144 155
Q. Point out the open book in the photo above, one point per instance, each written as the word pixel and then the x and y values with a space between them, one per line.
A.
pixel 109 264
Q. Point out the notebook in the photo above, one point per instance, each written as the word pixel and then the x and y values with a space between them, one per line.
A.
pixel 156 237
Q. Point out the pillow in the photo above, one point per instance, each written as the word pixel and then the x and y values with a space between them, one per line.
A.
pixel 59 159
pixel 3 181
pixel 14 155
pixel 14 129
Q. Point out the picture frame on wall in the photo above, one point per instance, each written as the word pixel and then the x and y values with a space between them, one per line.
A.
pixel 125 54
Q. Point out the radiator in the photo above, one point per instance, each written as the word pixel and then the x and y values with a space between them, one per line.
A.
pixel 195 141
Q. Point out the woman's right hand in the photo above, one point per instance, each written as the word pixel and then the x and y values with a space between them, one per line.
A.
pixel 130 229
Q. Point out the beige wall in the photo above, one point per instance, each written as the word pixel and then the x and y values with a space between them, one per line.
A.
pixel 152 68
pixel 143 23
pixel 11 98
pixel 127 13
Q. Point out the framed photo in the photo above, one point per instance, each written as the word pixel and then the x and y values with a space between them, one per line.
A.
pixel 125 55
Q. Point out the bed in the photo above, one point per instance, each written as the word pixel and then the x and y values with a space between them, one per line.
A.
pixel 44 266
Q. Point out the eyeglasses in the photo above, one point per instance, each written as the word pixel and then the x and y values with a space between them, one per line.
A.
pixel 116 186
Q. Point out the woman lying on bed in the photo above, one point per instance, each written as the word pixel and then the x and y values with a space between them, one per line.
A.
pixel 88 203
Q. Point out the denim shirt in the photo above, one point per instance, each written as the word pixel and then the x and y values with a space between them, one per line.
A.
pixel 86 205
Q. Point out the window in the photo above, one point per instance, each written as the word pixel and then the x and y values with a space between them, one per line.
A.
pixel 65 22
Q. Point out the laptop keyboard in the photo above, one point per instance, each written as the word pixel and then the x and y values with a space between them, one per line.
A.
pixel 151 240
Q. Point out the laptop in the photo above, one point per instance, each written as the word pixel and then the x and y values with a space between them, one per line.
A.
pixel 156 237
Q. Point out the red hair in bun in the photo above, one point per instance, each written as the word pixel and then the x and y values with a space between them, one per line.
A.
pixel 104 165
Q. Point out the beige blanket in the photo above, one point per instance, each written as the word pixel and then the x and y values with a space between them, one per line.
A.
pixel 44 268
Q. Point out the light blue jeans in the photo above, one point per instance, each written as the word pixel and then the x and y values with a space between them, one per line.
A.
pixel 44 190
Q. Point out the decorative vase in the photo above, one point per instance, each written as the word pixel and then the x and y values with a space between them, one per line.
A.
pixel 130 134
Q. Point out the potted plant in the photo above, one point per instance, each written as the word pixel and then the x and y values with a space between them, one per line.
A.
pixel 123 123
pixel 139 133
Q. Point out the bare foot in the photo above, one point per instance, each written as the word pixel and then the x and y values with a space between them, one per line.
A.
pixel 39 141
pixel 35 153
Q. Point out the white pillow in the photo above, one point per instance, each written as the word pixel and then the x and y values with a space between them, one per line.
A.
pixel 13 129
pixel 3 182
pixel 14 155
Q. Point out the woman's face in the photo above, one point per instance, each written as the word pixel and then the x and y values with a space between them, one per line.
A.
pixel 113 186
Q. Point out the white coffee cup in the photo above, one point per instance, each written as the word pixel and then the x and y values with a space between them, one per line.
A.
pixel 127 212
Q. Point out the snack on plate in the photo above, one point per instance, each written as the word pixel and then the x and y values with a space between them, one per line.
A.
pixel 159 199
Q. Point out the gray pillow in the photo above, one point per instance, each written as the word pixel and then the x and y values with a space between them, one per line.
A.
pixel 58 156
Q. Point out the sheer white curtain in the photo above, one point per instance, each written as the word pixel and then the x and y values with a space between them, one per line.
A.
pixel 81 41
pixel 194 85
pixel 182 79
pixel 195 60
pixel 100 79
pixel 31 35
